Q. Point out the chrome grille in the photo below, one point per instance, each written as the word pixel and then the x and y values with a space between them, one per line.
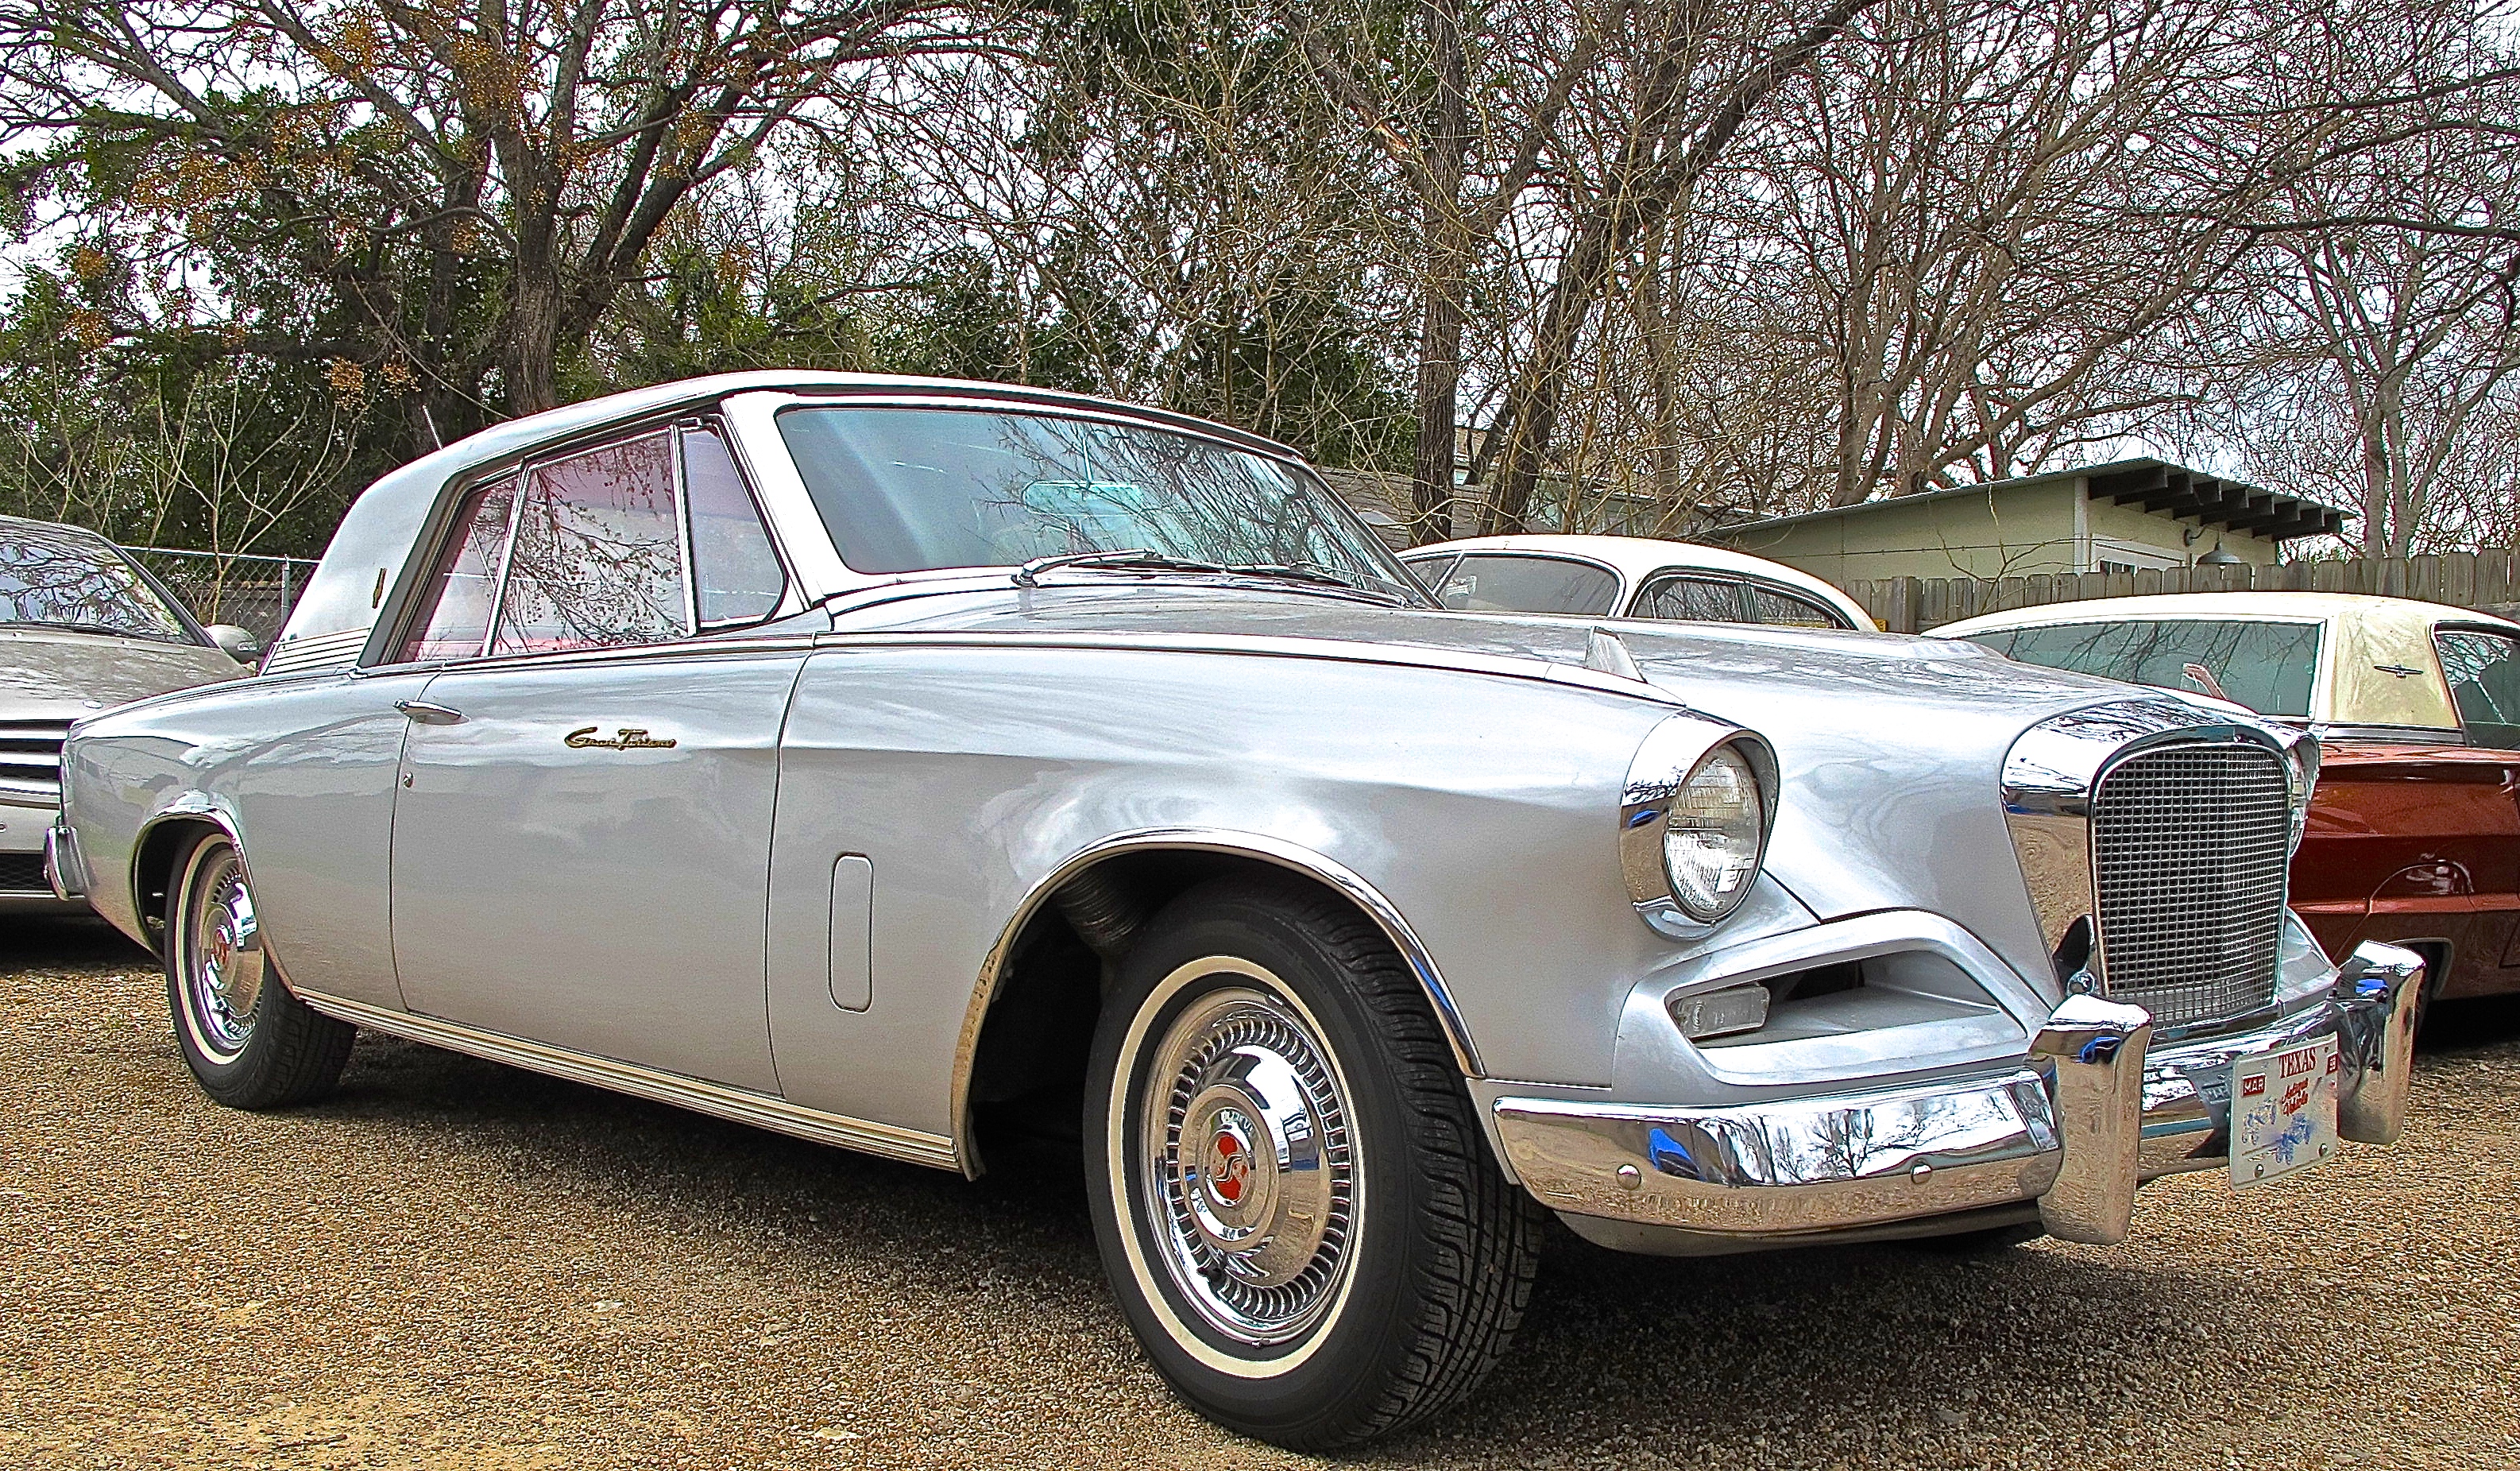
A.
pixel 30 753
pixel 2188 846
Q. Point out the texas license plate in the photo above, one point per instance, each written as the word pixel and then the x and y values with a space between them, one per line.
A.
pixel 2283 1112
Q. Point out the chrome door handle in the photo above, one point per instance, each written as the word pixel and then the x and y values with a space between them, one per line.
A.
pixel 427 713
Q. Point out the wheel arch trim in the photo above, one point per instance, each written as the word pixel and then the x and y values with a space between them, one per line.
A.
pixel 194 808
pixel 1277 852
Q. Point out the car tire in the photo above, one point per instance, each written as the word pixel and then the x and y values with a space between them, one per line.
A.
pixel 250 1044
pixel 1293 1199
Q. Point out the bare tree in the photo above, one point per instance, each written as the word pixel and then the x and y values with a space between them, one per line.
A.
pixel 1686 92
pixel 1468 115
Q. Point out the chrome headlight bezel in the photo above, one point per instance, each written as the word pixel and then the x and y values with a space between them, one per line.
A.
pixel 2301 761
pixel 1672 754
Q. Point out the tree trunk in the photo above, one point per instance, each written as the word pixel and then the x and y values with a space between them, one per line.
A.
pixel 1439 389
pixel 1448 253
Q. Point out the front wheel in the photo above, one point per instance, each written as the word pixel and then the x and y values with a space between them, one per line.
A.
pixel 1294 1200
pixel 250 1044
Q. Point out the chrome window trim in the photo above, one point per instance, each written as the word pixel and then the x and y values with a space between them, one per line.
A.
pixel 792 598
pixel 708 645
pixel 695 634
pixel 754 414
pixel 761 1110
pixel 1285 854
pixel 850 580
pixel 682 529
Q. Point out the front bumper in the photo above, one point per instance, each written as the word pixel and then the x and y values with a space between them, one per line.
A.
pixel 65 869
pixel 2089 1112
pixel 27 820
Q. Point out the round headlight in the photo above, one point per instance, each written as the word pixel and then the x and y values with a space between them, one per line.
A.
pixel 1712 835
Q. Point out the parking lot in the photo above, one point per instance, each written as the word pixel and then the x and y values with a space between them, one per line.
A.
pixel 453 1263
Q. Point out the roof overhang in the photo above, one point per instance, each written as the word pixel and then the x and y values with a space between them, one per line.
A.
pixel 2229 505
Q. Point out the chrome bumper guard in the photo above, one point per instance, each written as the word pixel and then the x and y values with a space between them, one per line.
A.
pixel 2091 1111
pixel 64 868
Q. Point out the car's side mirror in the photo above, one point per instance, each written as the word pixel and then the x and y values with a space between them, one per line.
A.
pixel 239 644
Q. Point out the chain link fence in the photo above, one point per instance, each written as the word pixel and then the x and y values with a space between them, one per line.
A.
pixel 253 592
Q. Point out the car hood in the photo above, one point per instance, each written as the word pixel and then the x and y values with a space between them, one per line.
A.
pixel 1733 672
pixel 48 673
pixel 1891 748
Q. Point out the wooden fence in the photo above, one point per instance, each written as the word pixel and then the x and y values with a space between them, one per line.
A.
pixel 2466 579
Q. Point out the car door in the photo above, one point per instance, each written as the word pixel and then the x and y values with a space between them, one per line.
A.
pixel 581 839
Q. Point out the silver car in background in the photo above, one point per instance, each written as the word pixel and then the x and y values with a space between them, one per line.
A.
pixel 906 764
pixel 82 627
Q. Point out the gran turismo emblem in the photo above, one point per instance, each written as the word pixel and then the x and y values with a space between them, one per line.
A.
pixel 627 738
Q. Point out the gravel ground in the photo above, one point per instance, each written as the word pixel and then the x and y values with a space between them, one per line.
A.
pixel 456 1264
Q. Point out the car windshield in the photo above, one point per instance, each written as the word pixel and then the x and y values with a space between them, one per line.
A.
pixel 63 582
pixel 920 490
pixel 2267 667
pixel 1492 582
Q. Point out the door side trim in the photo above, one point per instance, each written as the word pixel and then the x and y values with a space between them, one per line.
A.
pixel 909 1145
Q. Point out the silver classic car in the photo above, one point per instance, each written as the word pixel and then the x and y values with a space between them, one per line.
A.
pixel 904 764
pixel 83 626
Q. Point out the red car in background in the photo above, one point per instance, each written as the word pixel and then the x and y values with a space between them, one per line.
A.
pixel 2415 832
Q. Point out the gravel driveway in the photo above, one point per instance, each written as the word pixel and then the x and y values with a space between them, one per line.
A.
pixel 453 1263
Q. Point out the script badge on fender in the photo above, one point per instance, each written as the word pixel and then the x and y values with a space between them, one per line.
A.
pixel 627 738
pixel 2283 1111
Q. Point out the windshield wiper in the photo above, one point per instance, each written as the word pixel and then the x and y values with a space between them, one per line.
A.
pixel 1139 559
pixel 76 627
pixel 1313 576
pixel 1125 559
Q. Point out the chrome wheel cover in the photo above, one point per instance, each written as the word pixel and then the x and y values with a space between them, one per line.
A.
pixel 219 954
pixel 1247 1165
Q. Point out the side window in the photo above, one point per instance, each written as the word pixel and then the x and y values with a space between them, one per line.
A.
pixel 1496 582
pixel 734 569
pixel 1785 610
pixel 598 559
pixel 2484 673
pixel 455 620
pixel 1696 600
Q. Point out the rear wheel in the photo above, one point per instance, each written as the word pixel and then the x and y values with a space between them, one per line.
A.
pixel 250 1043
pixel 1293 1199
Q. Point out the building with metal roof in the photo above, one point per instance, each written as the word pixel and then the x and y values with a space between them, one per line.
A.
pixel 2127 516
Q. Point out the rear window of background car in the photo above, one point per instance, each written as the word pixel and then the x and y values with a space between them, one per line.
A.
pixel 2267 667
pixel 2484 673
pixel 1493 583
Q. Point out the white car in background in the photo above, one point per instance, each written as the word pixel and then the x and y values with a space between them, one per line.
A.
pixel 1629 577
pixel 82 627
